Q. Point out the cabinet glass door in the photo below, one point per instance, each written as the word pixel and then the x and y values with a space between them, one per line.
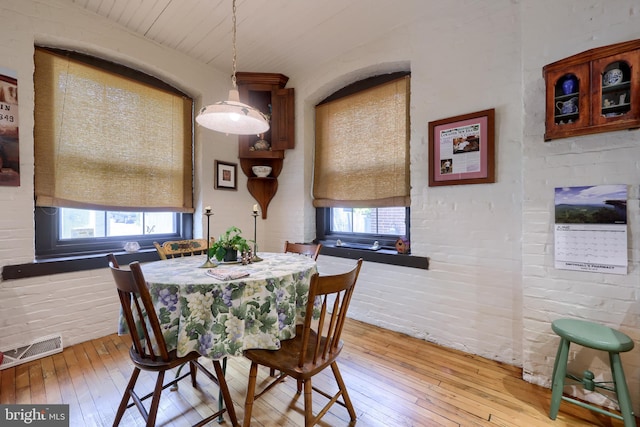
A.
pixel 568 100
pixel 615 85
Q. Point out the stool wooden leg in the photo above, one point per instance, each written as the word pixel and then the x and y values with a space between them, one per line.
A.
pixel 622 391
pixel 559 373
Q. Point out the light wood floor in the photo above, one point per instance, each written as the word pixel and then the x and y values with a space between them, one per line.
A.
pixel 393 380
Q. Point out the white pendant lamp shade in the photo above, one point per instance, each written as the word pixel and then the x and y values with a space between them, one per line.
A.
pixel 233 117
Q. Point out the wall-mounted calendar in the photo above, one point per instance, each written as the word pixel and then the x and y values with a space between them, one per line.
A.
pixel 591 228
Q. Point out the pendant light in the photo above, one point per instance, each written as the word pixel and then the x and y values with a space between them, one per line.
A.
pixel 232 116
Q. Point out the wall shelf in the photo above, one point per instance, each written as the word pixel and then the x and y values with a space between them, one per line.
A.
pixel 267 93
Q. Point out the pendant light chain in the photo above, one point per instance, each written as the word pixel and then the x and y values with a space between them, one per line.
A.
pixel 233 42
pixel 232 116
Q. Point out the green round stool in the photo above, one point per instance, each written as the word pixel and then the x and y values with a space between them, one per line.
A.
pixel 598 337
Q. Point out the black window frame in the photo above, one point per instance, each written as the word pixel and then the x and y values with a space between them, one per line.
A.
pixel 386 255
pixel 386 241
pixel 49 245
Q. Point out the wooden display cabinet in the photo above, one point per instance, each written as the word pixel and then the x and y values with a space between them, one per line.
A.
pixel 604 94
pixel 267 93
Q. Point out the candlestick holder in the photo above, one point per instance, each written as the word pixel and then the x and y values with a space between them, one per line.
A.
pixel 255 257
pixel 208 263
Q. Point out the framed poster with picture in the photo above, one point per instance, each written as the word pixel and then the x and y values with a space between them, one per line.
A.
pixel 226 175
pixel 9 140
pixel 461 149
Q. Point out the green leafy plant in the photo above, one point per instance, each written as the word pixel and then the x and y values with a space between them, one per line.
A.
pixel 231 241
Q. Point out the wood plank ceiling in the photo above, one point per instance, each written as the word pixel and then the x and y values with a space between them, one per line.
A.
pixel 284 36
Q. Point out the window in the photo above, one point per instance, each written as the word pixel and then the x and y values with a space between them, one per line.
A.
pixel 361 172
pixel 113 156
pixel 64 232
pixel 383 221
pixel 83 223
pixel 361 227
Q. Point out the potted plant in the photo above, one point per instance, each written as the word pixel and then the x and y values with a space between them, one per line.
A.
pixel 228 244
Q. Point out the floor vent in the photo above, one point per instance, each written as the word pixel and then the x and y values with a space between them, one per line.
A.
pixel 39 348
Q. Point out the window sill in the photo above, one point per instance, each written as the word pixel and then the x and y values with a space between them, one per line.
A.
pixel 91 262
pixel 383 256
pixel 72 264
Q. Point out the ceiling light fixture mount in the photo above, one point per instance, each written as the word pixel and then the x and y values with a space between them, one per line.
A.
pixel 232 116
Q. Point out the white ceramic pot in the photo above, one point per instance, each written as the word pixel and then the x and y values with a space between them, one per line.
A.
pixel 261 171
pixel 132 246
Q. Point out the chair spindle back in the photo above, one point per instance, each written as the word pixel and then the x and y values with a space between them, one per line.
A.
pixel 328 329
pixel 139 312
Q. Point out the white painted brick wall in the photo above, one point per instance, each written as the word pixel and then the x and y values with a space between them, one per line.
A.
pixel 471 297
pixel 80 305
pixel 491 289
pixel 609 158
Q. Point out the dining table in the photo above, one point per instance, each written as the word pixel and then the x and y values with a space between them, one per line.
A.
pixel 224 310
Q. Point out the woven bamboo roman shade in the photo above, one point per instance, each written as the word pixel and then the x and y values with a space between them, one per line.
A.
pixel 106 141
pixel 362 149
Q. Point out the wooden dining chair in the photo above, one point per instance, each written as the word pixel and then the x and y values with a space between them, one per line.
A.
pixel 309 249
pixel 316 346
pixel 149 350
pixel 178 248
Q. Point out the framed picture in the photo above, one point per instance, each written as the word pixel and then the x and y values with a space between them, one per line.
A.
pixel 226 175
pixel 461 149
pixel 9 140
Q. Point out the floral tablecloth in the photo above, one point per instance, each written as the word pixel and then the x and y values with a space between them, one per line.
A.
pixel 220 318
